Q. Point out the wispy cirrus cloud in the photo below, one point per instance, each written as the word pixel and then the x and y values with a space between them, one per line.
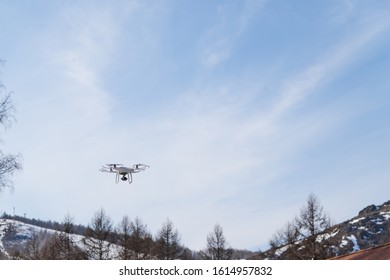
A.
pixel 218 43
pixel 332 62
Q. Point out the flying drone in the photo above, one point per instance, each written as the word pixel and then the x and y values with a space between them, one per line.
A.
pixel 125 172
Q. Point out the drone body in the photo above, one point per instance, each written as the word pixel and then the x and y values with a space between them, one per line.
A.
pixel 125 172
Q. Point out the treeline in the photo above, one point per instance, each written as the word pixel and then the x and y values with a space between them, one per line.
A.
pixel 308 236
pixel 102 240
pixel 53 225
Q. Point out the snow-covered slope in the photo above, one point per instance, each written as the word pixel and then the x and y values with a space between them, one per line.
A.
pixel 14 236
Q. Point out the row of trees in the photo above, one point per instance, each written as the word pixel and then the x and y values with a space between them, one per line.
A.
pixel 129 240
pixel 307 236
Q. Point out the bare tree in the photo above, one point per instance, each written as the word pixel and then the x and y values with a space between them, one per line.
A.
pixel 65 241
pixel 32 248
pixel 97 237
pixel 123 239
pixel 68 243
pixel 217 247
pixel 284 242
pixel 312 222
pixel 134 240
pixel 48 249
pixel 61 245
pixel 168 245
pixel 188 254
pixel 307 236
pixel 9 163
pixel 141 240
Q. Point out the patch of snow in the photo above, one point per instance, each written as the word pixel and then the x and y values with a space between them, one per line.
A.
pixel 353 239
pixel 343 243
pixel 378 221
pixel 326 236
pixel 356 220
pixel 386 215
pixel 334 233
pixel 281 250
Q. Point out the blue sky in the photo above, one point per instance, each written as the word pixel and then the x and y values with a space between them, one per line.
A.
pixel 241 108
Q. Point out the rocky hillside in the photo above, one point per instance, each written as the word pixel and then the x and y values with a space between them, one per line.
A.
pixel 370 228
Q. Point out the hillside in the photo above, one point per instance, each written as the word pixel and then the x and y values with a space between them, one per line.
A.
pixel 370 228
pixel 15 234
pixel 22 238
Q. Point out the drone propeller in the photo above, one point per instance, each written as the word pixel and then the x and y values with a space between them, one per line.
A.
pixel 105 169
pixel 140 166
pixel 114 164
pixel 109 167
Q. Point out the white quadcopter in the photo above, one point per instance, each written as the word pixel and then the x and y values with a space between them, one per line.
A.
pixel 123 171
